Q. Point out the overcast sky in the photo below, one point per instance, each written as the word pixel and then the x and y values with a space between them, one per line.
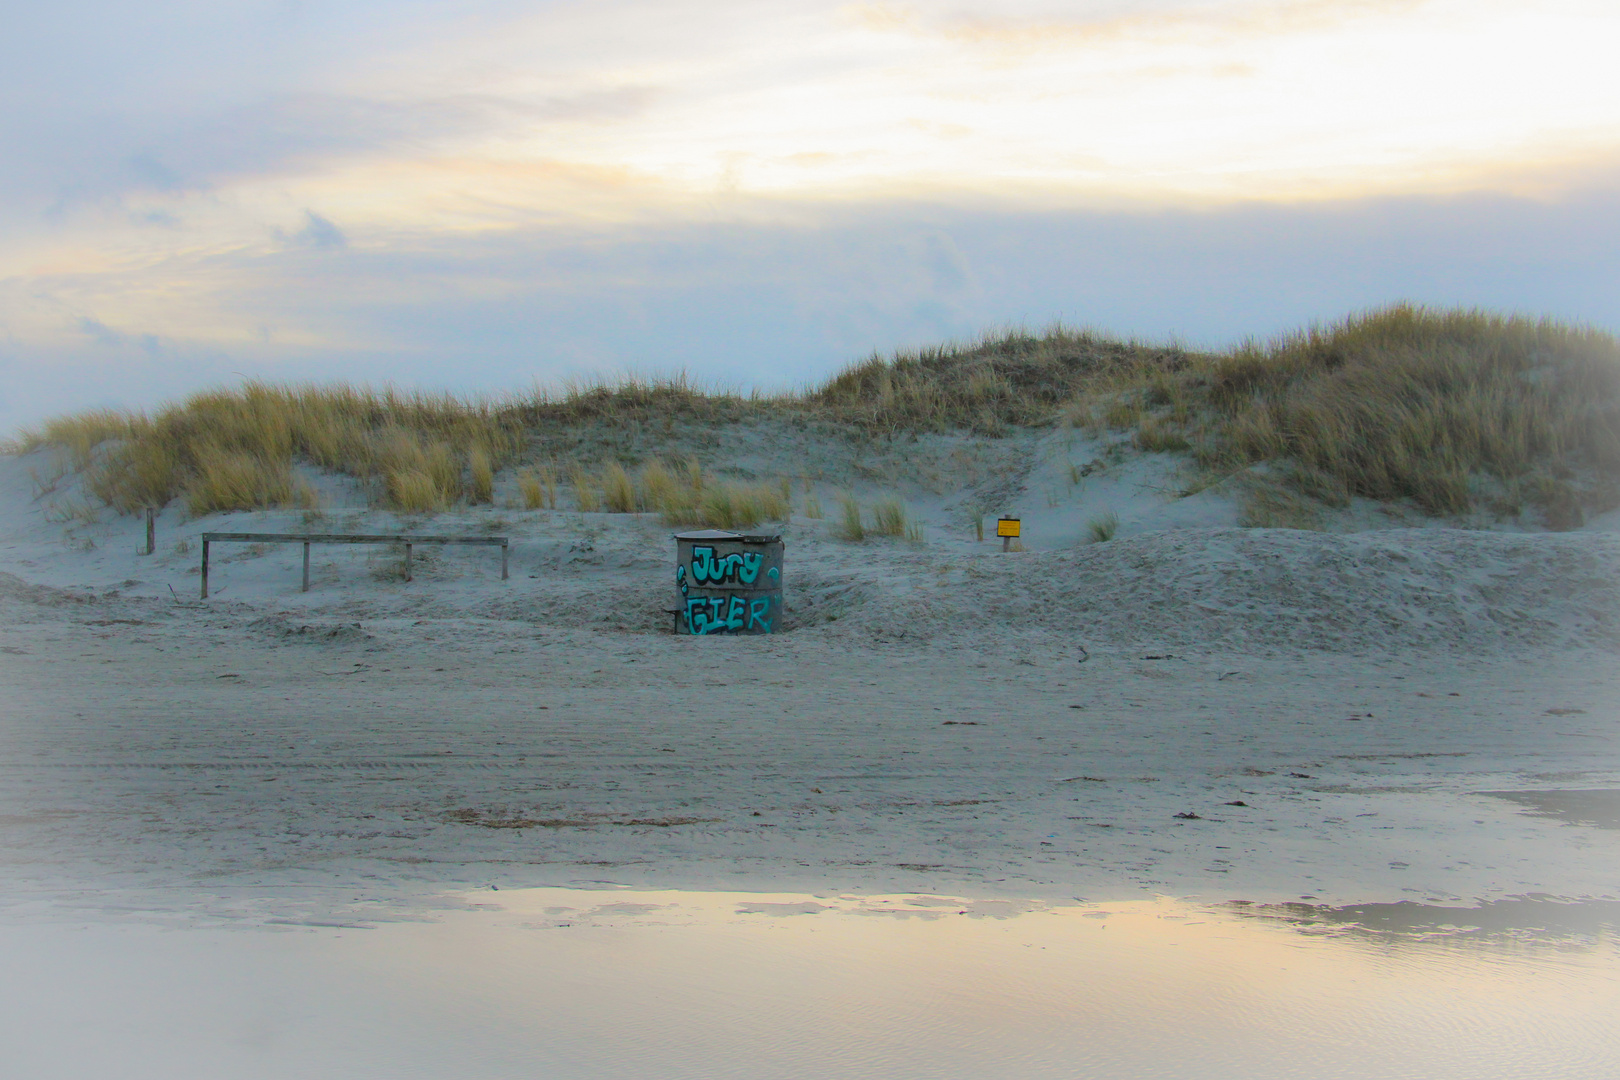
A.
pixel 481 194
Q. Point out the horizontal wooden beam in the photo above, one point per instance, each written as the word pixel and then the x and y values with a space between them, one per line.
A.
pixel 350 538
pixel 408 539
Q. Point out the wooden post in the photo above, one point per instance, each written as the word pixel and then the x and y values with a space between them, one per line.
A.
pixel 306 566
pixel 503 560
pixel 205 570
pixel 407 560
pixel 1009 529
pixel 151 533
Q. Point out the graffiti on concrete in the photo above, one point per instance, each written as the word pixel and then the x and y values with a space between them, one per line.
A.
pixel 725 614
pixel 739 566
pixel 728 614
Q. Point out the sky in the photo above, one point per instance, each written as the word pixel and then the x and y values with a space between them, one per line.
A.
pixel 486 195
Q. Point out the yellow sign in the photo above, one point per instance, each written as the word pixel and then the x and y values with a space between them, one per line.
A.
pixel 1007 527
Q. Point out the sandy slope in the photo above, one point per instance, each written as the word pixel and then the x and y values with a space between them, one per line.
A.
pixel 927 724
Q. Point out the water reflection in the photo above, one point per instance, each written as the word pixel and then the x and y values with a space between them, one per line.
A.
pixel 1536 920
pixel 1594 807
pixel 561 984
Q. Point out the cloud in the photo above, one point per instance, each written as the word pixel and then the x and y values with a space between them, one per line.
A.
pixel 714 102
pixel 317 233
pixel 1202 23
pixel 783 303
pixel 297 134
pixel 107 337
pixel 493 189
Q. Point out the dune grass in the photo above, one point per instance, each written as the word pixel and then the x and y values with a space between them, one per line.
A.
pixel 986 386
pixel 851 525
pixel 1449 411
pixel 685 497
pixel 681 493
pixel 889 517
pixel 619 491
pixel 537 489
pixel 727 506
pixel 235 449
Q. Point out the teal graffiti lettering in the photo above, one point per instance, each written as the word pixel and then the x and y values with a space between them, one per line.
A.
pixel 722 614
pixel 738 566
pixel 701 621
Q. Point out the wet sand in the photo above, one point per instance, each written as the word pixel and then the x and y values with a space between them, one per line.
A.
pixel 255 772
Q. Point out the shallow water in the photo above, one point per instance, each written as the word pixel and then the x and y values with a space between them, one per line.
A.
pixel 561 984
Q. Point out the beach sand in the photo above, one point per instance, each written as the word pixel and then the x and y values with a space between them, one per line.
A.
pixel 1201 712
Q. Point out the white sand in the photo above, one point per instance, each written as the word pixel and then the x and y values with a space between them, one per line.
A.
pixel 925 724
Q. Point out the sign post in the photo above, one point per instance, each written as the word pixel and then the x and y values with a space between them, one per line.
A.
pixel 1008 528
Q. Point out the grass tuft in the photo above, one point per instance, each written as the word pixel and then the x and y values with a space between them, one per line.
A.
pixel 659 486
pixel 727 506
pixel 481 476
pixel 586 498
pixel 1103 527
pixel 531 491
pixel 889 517
pixel 230 481
pixel 414 491
pixel 850 525
pixel 619 491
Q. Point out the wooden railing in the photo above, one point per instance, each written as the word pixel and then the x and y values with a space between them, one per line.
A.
pixel 408 539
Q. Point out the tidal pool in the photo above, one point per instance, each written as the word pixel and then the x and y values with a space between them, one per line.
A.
pixel 559 984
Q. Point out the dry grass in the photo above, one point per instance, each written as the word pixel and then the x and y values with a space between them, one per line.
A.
pixel 681 493
pixel 1001 380
pixel 1269 507
pixel 531 496
pixel 889 518
pixel 481 479
pixel 532 490
pixel 1102 528
pixel 224 449
pixel 724 506
pixel 414 491
pixel 587 500
pixel 1449 410
pixel 232 480
pixel 659 485
pixel 850 524
pixel 619 491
